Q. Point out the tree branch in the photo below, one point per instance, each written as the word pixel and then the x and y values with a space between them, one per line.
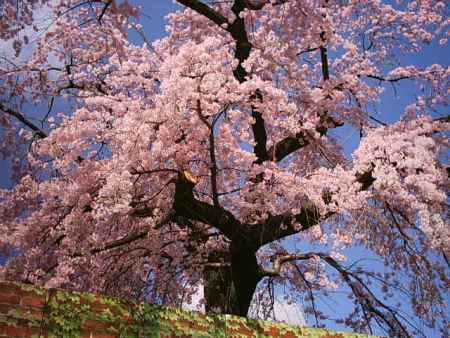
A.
pixel 287 146
pixel 283 225
pixel 37 131
pixel 324 61
pixel 213 169
pixel 103 12
pixel 186 205
pixel 279 226
pixel 255 6
pixel 124 240
pixel 205 10
pixel 290 144
pixel 367 300
pixel 281 260
pixel 311 294
pixel 242 52
pixel 394 79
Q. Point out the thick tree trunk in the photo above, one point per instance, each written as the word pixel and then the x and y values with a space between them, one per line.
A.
pixel 245 272
pixel 219 292
pixel 231 277
pixel 229 288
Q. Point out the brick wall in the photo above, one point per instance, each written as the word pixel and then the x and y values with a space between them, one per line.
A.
pixel 28 311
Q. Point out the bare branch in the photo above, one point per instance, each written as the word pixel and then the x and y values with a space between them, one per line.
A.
pixel 205 10
pixel 37 131
pixel 257 5
pixel 281 260
pixel 394 79
pixel 367 300
pixel 103 12
pixel 311 294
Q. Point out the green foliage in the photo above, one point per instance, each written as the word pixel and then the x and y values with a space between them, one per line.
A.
pixel 69 314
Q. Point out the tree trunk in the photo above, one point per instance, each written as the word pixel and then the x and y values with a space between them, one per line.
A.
pixel 229 289
pixel 219 292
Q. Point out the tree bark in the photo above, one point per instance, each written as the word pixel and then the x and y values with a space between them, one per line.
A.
pixel 245 272
pixel 218 283
pixel 229 286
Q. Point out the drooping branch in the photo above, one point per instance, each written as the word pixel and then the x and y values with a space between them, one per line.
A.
pixel 312 298
pixel 365 297
pixel 386 79
pixel 20 117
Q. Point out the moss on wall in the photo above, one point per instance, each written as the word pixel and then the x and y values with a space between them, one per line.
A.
pixel 28 311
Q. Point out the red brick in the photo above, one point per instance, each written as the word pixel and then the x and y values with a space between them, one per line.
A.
pixel 26 293
pixel 5 308
pixel 97 334
pixel 9 294
pixel 271 332
pixel 95 325
pixel 289 334
pixel 242 331
pixel 9 288
pixel 35 301
pixel 97 306
pixel 22 311
pixel 22 331
pixel 189 324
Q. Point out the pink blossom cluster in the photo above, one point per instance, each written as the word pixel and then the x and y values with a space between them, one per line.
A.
pixel 96 182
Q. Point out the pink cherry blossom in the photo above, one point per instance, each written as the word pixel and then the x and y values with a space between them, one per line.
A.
pixel 214 157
